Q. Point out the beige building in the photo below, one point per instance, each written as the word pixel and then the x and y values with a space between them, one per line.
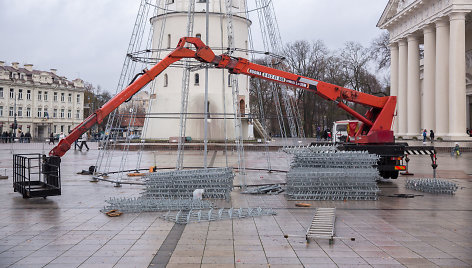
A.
pixel 43 101
pixel 431 65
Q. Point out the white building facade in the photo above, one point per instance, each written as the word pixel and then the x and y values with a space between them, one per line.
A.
pixel 165 108
pixel 42 101
pixel 431 65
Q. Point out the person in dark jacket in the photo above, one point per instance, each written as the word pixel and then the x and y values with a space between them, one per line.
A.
pixel 28 137
pixel 51 138
pixel 431 135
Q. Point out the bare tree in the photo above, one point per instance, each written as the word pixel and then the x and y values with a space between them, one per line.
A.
pixel 349 68
pixel 310 60
pixel 94 98
pixel 355 60
pixel 380 49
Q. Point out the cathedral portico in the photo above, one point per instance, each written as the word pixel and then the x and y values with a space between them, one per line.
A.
pixel 429 43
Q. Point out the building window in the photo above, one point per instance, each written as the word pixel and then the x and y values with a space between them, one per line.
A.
pixel 40 112
pixel 229 80
pixel 197 79
pixel 69 114
pixel 199 36
pixel 169 41
pixel 45 95
pixel 20 112
pixel 28 112
pixel 11 113
pixel 55 96
pixel 68 129
pixel 54 113
pixel 77 115
pixel 20 94
pixel 201 1
pixel 62 128
pixel 69 98
pixel 1 92
pixel 1 111
pixel 78 98
pixel 242 107
pixel 28 94
pixel 12 93
pixel 39 95
pixel 46 114
pixel 62 113
pixel 62 97
pixel 55 129
pixel 166 80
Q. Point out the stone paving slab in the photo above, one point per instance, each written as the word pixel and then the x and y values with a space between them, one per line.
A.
pixel 70 231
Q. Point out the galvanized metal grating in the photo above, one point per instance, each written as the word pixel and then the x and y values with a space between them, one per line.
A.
pixel 435 186
pixel 322 225
pixel 140 204
pixel 309 149
pixel 328 174
pixel 180 184
pixel 190 216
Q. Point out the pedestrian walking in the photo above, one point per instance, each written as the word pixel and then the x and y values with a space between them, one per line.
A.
pixel 76 143
pixel 51 138
pixel 424 135
pixel 431 135
pixel 83 141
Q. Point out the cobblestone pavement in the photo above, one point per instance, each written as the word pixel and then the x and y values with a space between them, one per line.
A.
pixel 70 231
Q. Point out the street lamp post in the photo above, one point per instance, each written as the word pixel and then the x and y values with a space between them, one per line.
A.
pixel 15 123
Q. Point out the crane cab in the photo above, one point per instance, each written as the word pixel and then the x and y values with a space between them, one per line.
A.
pixel 341 129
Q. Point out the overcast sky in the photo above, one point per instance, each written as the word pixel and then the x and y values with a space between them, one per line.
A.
pixel 88 39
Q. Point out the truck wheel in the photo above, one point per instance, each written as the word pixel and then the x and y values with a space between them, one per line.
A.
pixel 384 174
pixel 394 174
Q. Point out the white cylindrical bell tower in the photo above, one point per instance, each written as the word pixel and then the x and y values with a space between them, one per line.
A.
pixel 166 107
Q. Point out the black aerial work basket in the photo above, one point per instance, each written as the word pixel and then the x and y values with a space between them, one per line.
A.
pixel 36 175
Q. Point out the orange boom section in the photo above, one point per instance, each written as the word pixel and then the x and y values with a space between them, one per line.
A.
pixel 377 122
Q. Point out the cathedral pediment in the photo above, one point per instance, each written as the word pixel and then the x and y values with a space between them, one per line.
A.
pixel 393 8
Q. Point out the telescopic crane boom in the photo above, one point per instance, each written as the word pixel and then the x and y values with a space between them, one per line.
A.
pixel 377 122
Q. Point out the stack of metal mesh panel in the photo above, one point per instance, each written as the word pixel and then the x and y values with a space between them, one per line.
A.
pixel 189 216
pixel 333 175
pixel 309 149
pixel 173 191
pixel 142 204
pixel 436 186
pixel 217 183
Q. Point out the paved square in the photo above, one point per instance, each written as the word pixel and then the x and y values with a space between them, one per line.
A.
pixel 70 231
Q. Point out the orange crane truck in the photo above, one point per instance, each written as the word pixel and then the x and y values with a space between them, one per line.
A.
pixel 373 133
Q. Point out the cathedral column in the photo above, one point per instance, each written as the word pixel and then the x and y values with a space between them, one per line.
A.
pixel 394 78
pixel 402 84
pixel 441 97
pixel 429 62
pixel 413 87
pixel 457 96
